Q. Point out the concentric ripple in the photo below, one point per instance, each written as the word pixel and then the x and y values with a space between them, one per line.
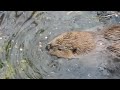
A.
pixel 24 36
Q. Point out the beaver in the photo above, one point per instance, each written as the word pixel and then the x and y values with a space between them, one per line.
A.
pixel 72 44
pixel 114 50
pixel 112 33
pixel 93 48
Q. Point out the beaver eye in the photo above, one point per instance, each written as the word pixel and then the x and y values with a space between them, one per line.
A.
pixel 74 50
pixel 59 49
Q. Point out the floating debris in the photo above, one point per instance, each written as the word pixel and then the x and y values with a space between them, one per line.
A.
pixel 89 75
pixel 68 70
pixel 21 49
pixel 46 37
pixel 1 38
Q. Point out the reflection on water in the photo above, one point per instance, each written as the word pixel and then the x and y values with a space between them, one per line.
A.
pixel 24 35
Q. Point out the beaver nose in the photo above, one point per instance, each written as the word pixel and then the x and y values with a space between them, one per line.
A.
pixel 48 47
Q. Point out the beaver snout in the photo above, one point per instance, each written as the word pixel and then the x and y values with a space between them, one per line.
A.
pixel 48 47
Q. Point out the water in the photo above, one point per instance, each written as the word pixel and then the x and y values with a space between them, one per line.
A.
pixel 24 35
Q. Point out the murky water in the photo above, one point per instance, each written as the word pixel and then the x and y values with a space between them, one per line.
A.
pixel 24 35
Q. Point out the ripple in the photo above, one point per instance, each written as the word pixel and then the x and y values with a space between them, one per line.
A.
pixel 24 37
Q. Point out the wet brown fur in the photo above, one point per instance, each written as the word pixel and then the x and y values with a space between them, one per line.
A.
pixel 75 43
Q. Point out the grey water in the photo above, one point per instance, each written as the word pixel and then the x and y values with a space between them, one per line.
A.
pixel 24 35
